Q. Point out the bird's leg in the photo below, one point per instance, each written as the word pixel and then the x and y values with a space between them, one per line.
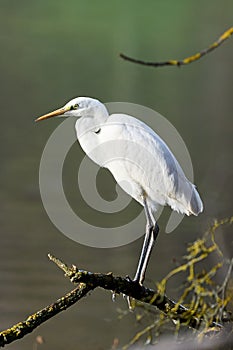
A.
pixel 152 230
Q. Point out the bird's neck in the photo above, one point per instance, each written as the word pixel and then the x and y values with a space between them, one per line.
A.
pixel 90 123
pixel 88 128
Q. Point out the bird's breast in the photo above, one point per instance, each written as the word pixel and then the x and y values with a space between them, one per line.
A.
pixel 100 142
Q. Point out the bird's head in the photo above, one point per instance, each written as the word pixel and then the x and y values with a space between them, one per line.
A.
pixel 78 107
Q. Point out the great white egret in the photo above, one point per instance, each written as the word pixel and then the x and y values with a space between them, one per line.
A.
pixel 139 160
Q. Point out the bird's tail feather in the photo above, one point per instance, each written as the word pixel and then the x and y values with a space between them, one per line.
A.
pixel 196 205
pixel 188 201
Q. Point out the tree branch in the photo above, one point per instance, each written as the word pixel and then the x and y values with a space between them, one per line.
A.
pixel 88 281
pixel 23 328
pixel 186 60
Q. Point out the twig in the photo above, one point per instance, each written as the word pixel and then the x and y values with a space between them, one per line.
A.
pixel 223 286
pixel 222 289
pixel 186 60
pixel 139 335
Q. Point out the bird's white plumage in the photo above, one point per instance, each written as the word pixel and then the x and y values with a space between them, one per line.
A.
pixel 139 160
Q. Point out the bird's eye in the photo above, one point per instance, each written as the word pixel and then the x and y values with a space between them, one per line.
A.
pixel 74 107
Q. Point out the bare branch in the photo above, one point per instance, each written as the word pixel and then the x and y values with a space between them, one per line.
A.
pixel 186 60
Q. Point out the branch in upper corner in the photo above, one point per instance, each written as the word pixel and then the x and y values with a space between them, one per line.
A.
pixel 186 60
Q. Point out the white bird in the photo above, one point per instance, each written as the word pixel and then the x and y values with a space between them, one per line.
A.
pixel 139 160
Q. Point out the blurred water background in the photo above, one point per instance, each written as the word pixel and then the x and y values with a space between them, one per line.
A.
pixel 52 51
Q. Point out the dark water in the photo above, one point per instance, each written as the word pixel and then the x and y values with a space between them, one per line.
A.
pixel 53 51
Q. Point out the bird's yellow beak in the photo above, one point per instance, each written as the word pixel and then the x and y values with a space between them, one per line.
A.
pixel 55 113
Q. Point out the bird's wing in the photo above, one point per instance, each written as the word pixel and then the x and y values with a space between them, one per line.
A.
pixel 143 159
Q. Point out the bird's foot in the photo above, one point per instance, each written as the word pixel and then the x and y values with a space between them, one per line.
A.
pixel 128 278
pixel 113 296
pixel 130 300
